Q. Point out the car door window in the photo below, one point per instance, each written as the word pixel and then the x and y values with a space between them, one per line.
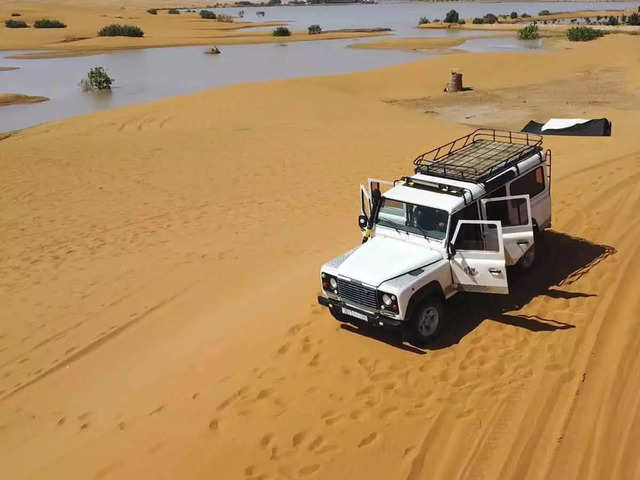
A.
pixel 532 183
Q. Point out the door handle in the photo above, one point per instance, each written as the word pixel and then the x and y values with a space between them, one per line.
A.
pixel 523 242
pixel 495 271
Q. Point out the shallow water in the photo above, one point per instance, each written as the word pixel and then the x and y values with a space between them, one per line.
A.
pixel 151 74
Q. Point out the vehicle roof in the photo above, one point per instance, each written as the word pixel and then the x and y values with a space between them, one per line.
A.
pixel 402 193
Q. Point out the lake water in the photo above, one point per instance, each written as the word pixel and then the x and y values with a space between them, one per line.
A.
pixel 151 74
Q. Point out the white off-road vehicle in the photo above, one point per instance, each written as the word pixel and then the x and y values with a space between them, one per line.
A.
pixel 473 207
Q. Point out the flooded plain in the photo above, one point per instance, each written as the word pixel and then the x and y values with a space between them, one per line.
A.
pixel 151 74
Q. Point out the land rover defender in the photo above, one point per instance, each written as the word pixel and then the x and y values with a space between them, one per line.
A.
pixel 472 207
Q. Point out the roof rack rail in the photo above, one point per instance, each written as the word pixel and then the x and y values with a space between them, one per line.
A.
pixel 479 155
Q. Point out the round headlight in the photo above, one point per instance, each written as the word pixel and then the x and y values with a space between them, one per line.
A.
pixel 386 299
pixel 333 283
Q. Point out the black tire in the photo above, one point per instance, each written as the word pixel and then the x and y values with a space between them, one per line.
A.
pixel 426 321
pixel 528 260
pixel 338 315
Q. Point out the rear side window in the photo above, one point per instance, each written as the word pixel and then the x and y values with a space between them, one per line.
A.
pixel 532 183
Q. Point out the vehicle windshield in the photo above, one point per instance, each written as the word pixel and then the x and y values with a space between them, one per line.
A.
pixel 428 221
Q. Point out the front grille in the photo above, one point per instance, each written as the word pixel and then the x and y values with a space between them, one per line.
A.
pixel 357 293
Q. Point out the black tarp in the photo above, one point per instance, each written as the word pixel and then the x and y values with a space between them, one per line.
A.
pixel 599 127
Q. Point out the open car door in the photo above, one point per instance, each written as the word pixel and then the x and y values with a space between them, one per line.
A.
pixel 377 184
pixel 478 259
pixel 514 214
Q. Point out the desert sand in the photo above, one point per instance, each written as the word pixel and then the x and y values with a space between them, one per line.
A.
pixel 161 30
pixel 15 98
pixel 160 264
pixel 411 43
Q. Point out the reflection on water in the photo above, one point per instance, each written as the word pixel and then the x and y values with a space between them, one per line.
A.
pixel 151 74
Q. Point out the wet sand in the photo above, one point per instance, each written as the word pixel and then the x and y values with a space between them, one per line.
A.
pixel 160 264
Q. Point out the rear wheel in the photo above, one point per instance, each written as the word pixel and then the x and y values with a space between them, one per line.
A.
pixel 427 321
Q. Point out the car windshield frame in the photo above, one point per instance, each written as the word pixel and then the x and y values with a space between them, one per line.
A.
pixel 414 229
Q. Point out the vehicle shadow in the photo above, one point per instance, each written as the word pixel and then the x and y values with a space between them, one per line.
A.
pixel 561 261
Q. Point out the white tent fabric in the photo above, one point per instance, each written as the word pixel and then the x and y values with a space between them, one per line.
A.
pixel 560 123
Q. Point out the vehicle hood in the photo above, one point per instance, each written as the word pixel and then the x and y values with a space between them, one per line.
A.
pixel 383 258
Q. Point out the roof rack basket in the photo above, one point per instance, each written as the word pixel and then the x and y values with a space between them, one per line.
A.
pixel 478 156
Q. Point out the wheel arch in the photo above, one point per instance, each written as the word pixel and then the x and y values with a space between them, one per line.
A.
pixel 431 289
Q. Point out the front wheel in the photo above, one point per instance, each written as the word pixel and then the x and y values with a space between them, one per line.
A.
pixel 427 321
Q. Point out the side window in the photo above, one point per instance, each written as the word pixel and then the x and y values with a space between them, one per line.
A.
pixel 510 213
pixel 468 236
pixel 473 236
pixel 532 183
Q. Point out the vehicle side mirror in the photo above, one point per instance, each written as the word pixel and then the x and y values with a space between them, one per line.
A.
pixel 362 222
pixel 451 249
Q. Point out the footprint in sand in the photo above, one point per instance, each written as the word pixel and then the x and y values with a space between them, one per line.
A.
pixel 368 440
pixel 298 438
pixel 309 470
pixel 214 425
pixel 266 440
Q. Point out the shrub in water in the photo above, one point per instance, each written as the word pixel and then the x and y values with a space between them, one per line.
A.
pixel 451 17
pixel 47 23
pixel 315 29
pixel 15 24
pixel 613 21
pixel 530 32
pixel 583 34
pixel 477 21
pixel 542 13
pixel 281 32
pixel 514 15
pixel 152 11
pixel 461 21
pixel 423 21
pixel 634 19
pixel 525 15
pixel 116 30
pixel 174 11
pixel 97 79
pixel 224 18
pixel 207 14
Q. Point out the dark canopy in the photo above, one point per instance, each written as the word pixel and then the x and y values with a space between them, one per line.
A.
pixel 599 127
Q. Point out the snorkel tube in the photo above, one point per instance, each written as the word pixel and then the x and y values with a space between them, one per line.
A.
pixel 377 201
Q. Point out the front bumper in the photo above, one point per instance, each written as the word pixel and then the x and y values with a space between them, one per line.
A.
pixel 374 319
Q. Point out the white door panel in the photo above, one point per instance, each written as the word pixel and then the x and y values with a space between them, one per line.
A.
pixel 514 214
pixel 478 264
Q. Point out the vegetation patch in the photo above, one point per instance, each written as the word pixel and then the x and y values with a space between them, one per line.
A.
pixel 117 30
pixel 153 11
pixel 633 19
pixel 514 15
pixel 583 34
pixel 543 13
pixel 173 11
pixel 281 32
pixel 530 32
pixel 314 29
pixel 423 21
pixel 452 17
pixel 48 23
pixel 224 18
pixel 15 24
pixel 97 79
pixel 208 14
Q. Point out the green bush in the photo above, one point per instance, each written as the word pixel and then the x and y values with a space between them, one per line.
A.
pixel 15 24
pixel 224 18
pixel 47 23
pixel 461 21
pixel 208 14
pixel 489 18
pixel 451 17
pixel 153 11
pixel 613 21
pixel 314 29
pixel 423 21
pixel 174 11
pixel 281 32
pixel 633 19
pixel 542 13
pixel 117 30
pixel 97 79
pixel 525 15
pixel 530 32
pixel 514 15
pixel 477 21
pixel 583 34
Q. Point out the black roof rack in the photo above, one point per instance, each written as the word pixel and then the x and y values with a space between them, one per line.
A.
pixel 478 156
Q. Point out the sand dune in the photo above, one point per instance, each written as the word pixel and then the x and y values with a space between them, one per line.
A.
pixel 160 264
